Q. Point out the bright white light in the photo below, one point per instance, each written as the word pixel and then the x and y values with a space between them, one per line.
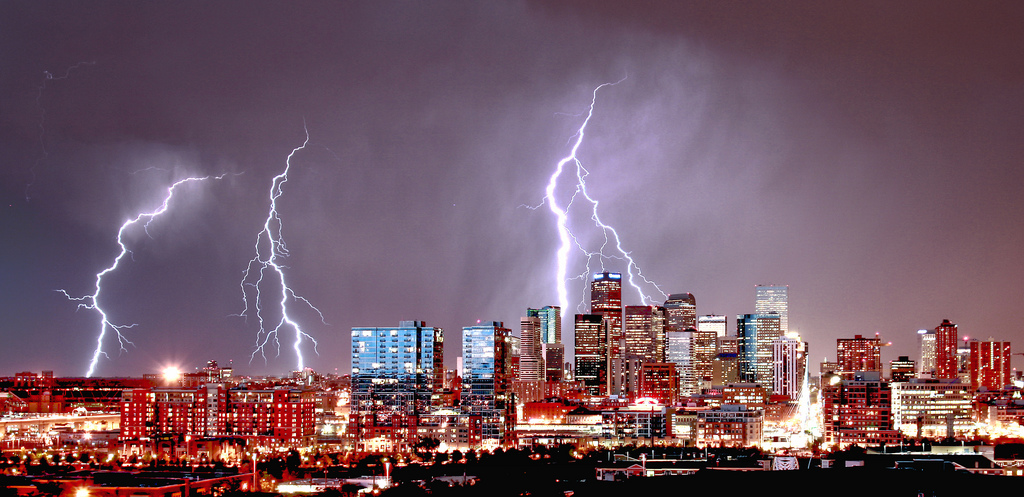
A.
pixel 171 374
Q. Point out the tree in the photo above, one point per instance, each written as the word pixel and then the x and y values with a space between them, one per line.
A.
pixel 293 460
pixel 442 457
pixel 425 448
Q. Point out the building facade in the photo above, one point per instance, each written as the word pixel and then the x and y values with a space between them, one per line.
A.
pixel 756 334
pixel 858 354
pixel 946 343
pixel 486 381
pixel 989 364
pixel 773 299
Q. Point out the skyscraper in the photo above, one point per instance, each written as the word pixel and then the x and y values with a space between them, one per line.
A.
pixel 786 367
pixel 756 334
pixel 531 355
pixel 396 370
pixel 946 364
pixel 606 301
pixel 644 332
pixel 927 366
pixel 714 323
pixel 554 359
pixel 591 359
pixel 773 298
pixel 550 323
pixel 680 353
pixel 858 354
pixel 989 364
pixel 551 340
pixel 681 311
pixel 486 382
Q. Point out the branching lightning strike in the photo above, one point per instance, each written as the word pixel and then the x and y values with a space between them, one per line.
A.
pixel 47 77
pixel 92 302
pixel 262 263
pixel 568 238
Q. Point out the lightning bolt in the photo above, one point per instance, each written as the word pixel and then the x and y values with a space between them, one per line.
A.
pixel 92 302
pixel 265 264
pixel 47 77
pixel 566 236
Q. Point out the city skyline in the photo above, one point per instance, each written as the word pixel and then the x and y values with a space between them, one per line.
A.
pixel 866 156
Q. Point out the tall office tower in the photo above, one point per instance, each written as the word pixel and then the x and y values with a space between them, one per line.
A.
pixel 772 298
pixel 551 339
pixel 550 323
pixel 786 372
pixel 858 354
pixel 756 333
pixel 927 339
pixel 591 344
pixel 725 368
pixel 705 348
pixel 606 301
pixel 643 328
pixel 659 324
pixel 531 355
pixel 513 357
pixel 802 348
pixel 989 364
pixel 658 381
pixel 486 384
pixel 397 370
pixel 946 364
pixel 728 345
pixel 681 312
pixel 714 323
pixel 680 353
pixel 554 357
pixel 902 369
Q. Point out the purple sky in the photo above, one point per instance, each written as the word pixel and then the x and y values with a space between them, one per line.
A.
pixel 867 154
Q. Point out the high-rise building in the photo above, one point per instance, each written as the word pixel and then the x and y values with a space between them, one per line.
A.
pixel 756 334
pixel 705 348
pixel 858 354
pixel 725 368
pixel 715 323
pixel 550 323
pixel 554 357
pixel 927 364
pixel 989 364
pixel 606 301
pixel 531 355
pixel 396 370
pixel 681 311
pixel 551 340
pixel 773 299
pixel 680 353
pixel 591 333
pixel 786 373
pixel 658 381
pixel 644 332
pixel 902 369
pixel 486 384
pixel 931 407
pixel 946 363
pixel 859 411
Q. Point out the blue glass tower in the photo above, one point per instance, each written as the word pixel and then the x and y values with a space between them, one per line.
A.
pixel 396 370
pixel 486 382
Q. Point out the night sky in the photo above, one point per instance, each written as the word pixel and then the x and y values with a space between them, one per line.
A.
pixel 867 154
